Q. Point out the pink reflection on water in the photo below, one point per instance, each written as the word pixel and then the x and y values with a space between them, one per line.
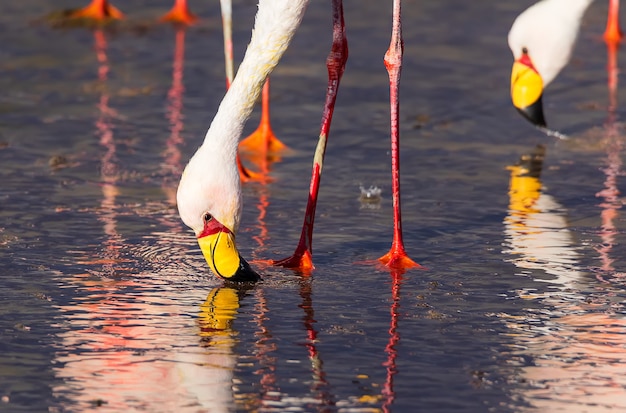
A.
pixel 172 162
pixel 129 340
pixel 610 194
pixel 388 391
pixel 567 351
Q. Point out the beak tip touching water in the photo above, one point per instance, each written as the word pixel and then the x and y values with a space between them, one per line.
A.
pixel 527 91
pixel 534 113
pixel 220 252
pixel 244 273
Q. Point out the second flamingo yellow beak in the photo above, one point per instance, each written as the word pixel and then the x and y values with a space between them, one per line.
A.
pixel 527 90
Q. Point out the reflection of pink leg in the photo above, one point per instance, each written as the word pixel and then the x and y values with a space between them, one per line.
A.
pixel 396 257
pixel 613 33
pixel 388 391
pixel 612 72
pixel 336 63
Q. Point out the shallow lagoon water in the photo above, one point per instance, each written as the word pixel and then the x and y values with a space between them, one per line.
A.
pixel 107 304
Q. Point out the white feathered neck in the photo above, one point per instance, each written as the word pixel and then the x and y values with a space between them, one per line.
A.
pixel 210 182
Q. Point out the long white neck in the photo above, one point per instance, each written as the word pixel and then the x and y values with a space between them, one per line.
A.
pixel 275 24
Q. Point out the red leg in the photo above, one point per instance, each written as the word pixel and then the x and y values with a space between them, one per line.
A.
pixel 262 141
pixel 336 63
pixel 396 257
pixel 180 14
pixel 98 10
pixel 613 33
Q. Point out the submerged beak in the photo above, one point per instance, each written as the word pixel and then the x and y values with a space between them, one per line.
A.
pixel 217 243
pixel 527 90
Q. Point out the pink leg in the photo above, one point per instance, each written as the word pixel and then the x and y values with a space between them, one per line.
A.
pixel 336 63
pixel 613 33
pixel 396 257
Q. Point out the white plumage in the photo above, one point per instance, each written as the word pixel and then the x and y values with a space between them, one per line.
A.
pixel 548 31
pixel 210 182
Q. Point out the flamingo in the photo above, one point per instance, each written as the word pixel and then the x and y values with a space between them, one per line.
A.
pixel 542 39
pixel 209 193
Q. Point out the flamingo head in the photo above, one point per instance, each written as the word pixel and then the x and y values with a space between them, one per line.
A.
pixel 541 39
pixel 209 202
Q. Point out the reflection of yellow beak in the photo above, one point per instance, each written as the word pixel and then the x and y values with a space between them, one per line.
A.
pixel 527 90
pixel 524 190
pixel 219 309
pixel 525 184
pixel 221 254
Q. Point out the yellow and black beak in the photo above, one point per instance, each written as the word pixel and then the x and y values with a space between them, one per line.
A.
pixel 217 243
pixel 527 90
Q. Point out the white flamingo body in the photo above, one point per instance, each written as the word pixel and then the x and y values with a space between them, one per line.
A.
pixel 210 183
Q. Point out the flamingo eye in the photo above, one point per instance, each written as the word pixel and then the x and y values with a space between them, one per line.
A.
pixel 207 217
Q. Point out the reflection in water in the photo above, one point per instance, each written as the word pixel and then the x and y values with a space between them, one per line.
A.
pixel 611 201
pixel 129 349
pixel 568 353
pixel 319 385
pixel 172 162
pixel 109 171
pixel 128 341
pixel 536 229
pixel 389 394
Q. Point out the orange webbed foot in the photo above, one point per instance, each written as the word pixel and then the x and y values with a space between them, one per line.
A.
pixel 302 261
pixel 248 175
pixel 398 260
pixel 179 14
pixel 613 32
pixel 261 140
pixel 98 10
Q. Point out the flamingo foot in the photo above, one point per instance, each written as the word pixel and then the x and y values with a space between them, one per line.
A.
pixel 300 260
pixel 262 140
pixel 247 175
pixel 98 10
pixel 397 259
pixel 179 14
pixel 613 33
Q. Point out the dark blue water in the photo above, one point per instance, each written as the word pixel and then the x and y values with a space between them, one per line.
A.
pixel 107 304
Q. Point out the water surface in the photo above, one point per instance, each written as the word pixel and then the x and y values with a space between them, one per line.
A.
pixel 108 305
